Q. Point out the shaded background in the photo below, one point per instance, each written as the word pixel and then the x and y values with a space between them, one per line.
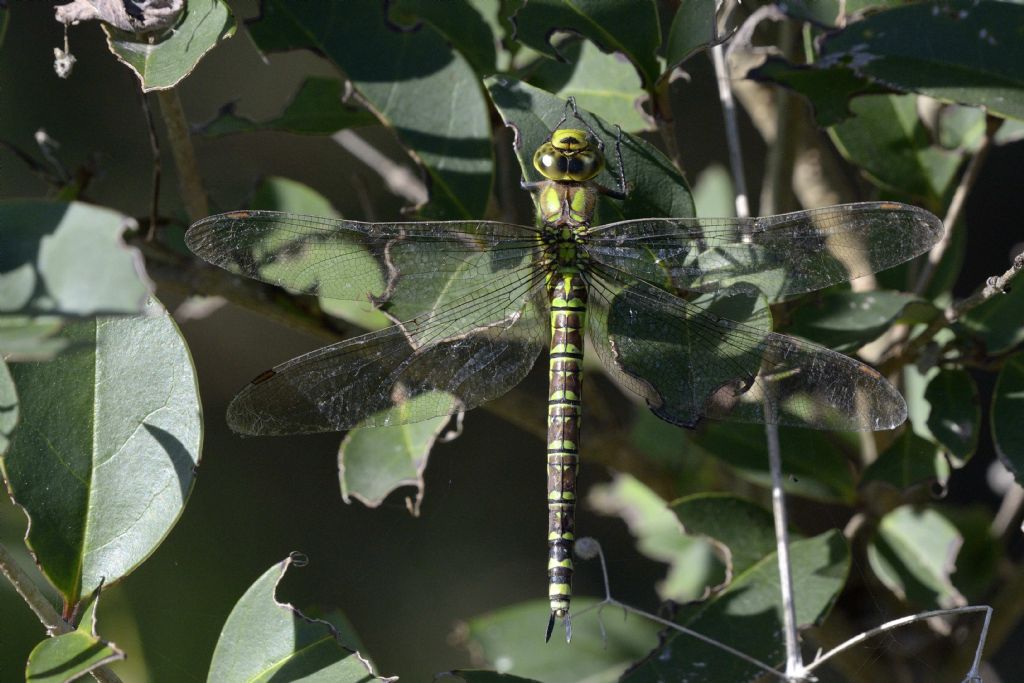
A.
pixel 404 582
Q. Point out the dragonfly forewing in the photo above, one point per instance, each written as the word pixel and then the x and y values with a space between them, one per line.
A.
pixel 777 255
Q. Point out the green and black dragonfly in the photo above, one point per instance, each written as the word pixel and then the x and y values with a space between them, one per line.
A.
pixel 669 306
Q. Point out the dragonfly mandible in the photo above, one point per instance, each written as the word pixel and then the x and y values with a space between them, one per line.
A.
pixel 665 302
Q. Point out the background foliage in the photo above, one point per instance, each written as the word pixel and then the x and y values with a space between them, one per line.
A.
pixel 341 108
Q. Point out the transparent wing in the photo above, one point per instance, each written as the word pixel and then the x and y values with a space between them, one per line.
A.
pixel 691 359
pixel 474 349
pixel 343 259
pixel 777 255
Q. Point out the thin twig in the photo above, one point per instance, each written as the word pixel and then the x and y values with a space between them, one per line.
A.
pixel 190 182
pixel 794 663
pixel 42 608
pixel 732 133
pixel 904 621
pixel 154 146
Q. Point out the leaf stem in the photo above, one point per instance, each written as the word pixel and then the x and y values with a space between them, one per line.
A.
pixel 190 182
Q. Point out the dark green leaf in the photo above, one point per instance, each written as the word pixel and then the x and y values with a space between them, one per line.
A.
pixel 105 454
pixel 910 460
pixel 164 62
pixel 827 12
pixel 955 417
pixel 828 89
pixel 373 462
pixel 630 28
pixel 480 676
pixel 691 560
pixel 815 463
pixel 601 83
pixel 265 640
pixel 656 188
pixel 53 253
pixel 748 616
pixel 693 29
pixel 887 140
pixel 997 320
pixel 745 528
pixel 514 637
pixel 460 23
pixel 415 83
pixel 8 407
pixel 71 655
pixel 972 54
pixel 982 555
pixel 847 320
pixel 1007 411
pixel 913 553
pixel 316 109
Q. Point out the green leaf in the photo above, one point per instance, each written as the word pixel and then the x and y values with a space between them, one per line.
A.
pixel 166 60
pixel 415 83
pixel 1007 409
pixel 828 89
pixel 978 63
pixel 748 616
pixel 316 109
pixel 997 321
pixel 8 407
pixel 713 193
pixel 656 188
pixel 982 555
pixel 373 462
pixel 265 640
pixel 460 23
pixel 68 260
pixel 743 527
pixel 815 463
pixel 910 460
pixel 693 29
pixel 105 454
pixel 513 638
pixel 827 12
pixel 913 553
pixel 691 560
pixel 630 28
pixel 601 83
pixel 847 320
pixel 24 338
pixel 887 140
pixel 480 676
pixel 71 655
pixel 955 417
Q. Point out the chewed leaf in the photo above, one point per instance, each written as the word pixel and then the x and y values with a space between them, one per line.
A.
pixel 71 655
pixel 267 640
pixel 373 462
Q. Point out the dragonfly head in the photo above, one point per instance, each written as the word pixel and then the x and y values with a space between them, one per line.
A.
pixel 569 156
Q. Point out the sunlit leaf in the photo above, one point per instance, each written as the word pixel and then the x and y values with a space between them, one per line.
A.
pixel 373 462
pixel 8 407
pixel 266 640
pixel 741 526
pixel 512 640
pixel 913 553
pixel 104 456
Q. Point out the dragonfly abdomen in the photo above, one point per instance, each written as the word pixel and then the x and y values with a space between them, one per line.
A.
pixel 568 314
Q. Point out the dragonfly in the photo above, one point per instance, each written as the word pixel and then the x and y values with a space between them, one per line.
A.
pixel 669 305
